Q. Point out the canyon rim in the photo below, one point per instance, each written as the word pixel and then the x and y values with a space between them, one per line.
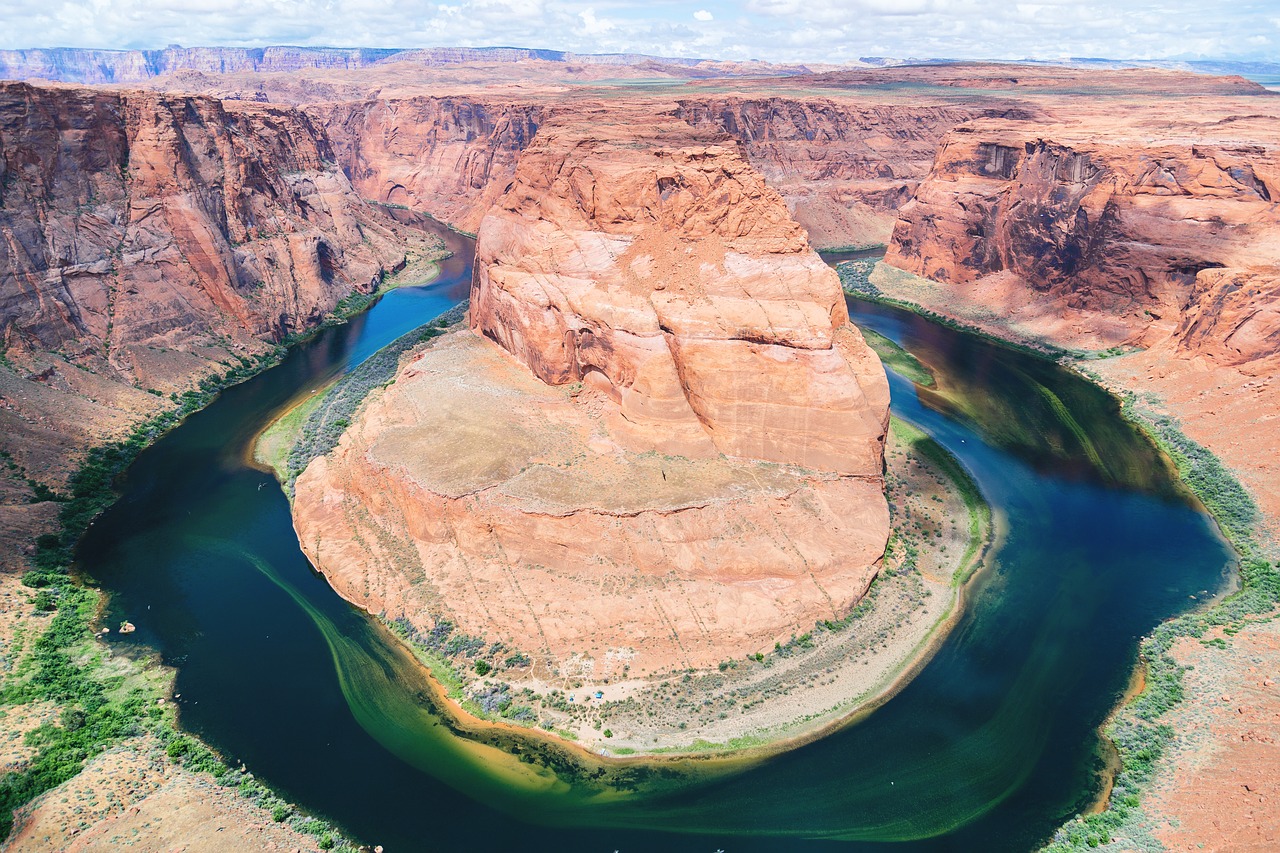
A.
pixel 656 451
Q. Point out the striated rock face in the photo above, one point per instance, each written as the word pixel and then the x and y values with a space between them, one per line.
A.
pixel 1233 318
pixel 142 220
pixel 470 492
pixel 148 241
pixel 844 168
pixel 450 156
pixel 673 456
pixel 1123 232
pixel 649 261
pixel 1158 228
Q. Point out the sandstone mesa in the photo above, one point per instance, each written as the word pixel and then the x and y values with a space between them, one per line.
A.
pixel 676 456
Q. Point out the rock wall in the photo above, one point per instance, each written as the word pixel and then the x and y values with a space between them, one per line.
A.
pixel 673 455
pixel 844 168
pixel 147 241
pixel 1132 230
pixel 650 261
pixel 450 157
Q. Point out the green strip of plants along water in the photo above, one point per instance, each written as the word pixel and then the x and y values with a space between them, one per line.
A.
pixel 101 707
pixel 897 359
pixel 313 428
pixel 855 280
pixel 979 511
pixel 1139 736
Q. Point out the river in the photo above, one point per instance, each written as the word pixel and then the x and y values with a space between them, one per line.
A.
pixel 990 747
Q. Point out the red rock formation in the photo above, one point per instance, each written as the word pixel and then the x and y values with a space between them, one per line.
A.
pixel 149 240
pixel 656 297
pixel 651 262
pixel 844 168
pixel 450 157
pixel 1233 318
pixel 470 492
pixel 140 220
pixel 1065 221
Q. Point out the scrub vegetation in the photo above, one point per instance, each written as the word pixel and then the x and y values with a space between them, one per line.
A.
pixel 855 279
pixel 1139 735
pixel 897 359
pixel 103 698
pixel 329 417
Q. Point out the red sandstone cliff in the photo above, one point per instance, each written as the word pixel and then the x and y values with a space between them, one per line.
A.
pixel 450 157
pixel 844 168
pixel 1157 227
pixel 1108 233
pixel 147 241
pixel 674 458
pixel 651 262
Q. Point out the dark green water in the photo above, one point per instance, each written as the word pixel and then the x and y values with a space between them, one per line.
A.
pixel 988 748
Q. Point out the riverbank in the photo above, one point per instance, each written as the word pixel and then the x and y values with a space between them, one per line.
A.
pixel 765 702
pixel 97 722
pixel 1149 732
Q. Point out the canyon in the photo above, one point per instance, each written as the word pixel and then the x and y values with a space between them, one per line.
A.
pixel 173 229
pixel 153 242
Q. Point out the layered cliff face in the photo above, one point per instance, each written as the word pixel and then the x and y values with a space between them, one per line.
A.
pixel 149 241
pixel 1104 237
pixel 672 457
pixel 844 168
pixel 650 262
pixel 451 157
pixel 1158 230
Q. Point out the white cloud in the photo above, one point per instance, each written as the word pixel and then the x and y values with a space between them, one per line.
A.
pixel 591 25
pixel 777 30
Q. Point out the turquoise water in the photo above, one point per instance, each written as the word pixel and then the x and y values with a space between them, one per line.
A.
pixel 988 748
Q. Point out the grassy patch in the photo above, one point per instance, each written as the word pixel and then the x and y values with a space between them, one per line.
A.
pixel 273 446
pixel 855 278
pixel 979 511
pixel 100 706
pixel 897 359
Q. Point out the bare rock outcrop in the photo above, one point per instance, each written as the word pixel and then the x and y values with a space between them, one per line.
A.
pixel 652 263
pixel 1110 232
pixel 843 167
pixel 674 456
pixel 449 156
pixel 148 241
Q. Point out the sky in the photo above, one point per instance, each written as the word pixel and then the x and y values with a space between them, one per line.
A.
pixel 773 30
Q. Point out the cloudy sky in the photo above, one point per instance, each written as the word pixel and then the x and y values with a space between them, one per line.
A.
pixel 775 30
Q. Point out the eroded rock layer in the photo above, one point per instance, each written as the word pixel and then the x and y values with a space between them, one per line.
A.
pixel 148 241
pixel 843 168
pixel 651 262
pixel 1122 233
pixel 474 494
pixel 674 456
pixel 1156 230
